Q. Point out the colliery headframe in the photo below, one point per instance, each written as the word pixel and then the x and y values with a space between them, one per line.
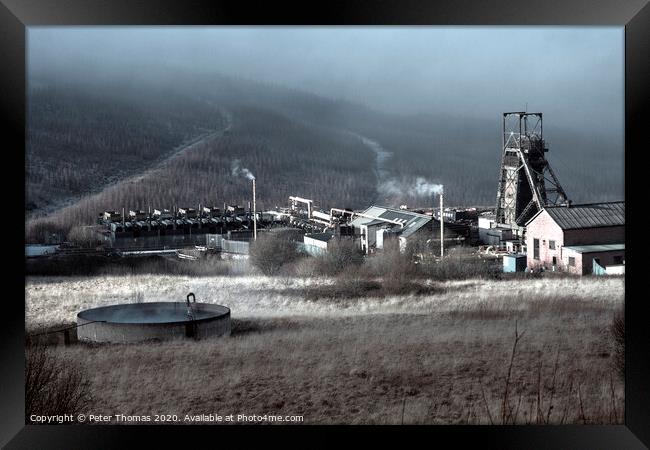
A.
pixel 527 183
pixel 575 238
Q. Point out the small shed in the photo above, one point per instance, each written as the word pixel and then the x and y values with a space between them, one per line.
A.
pixel 514 262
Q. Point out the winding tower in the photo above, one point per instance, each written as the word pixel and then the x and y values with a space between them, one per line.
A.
pixel 527 182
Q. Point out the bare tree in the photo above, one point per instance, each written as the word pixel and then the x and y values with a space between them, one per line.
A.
pixel 53 385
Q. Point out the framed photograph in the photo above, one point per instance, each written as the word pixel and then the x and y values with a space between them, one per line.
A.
pixel 403 217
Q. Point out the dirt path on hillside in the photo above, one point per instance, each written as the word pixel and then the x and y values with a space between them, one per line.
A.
pixel 167 157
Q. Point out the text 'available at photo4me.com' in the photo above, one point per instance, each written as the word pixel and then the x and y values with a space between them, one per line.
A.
pixel 164 418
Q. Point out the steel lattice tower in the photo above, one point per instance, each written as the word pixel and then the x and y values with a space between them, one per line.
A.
pixel 527 182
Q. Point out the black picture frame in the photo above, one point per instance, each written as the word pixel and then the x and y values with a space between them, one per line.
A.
pixel 634 15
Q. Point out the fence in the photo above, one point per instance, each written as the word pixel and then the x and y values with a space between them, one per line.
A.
pixel 212 241
pixel 239 247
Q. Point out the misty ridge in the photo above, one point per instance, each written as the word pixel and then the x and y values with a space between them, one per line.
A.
pixel 91 127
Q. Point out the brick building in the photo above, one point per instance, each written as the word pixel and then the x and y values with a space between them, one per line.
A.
pixel 571 237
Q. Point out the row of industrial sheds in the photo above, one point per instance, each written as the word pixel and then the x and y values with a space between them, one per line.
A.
pixel 377 227
pixel 580 239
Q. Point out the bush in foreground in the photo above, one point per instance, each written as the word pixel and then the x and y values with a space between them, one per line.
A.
pixel 341 255
pixel 53 385
pixel 271 251
pixel 617 328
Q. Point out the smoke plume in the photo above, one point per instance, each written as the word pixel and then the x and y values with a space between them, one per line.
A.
pixel 420 187
pixel 238 170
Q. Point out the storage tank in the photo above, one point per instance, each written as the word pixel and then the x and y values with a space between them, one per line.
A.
pixel 136 322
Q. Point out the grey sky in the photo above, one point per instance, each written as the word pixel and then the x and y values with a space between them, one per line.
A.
pixel 572 74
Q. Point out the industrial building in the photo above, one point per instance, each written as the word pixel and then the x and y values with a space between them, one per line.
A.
pixel 459 214
pixel 317 243
pixel 572 237
pixel 534 224
pixel 492 233
pixel 181 227
pixel 378 226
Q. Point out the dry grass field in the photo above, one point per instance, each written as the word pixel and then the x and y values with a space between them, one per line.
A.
pixel 445 357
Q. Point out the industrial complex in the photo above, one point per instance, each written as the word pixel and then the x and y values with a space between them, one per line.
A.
pixel 533 227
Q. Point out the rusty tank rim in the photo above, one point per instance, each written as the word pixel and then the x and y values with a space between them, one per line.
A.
pixel 112 313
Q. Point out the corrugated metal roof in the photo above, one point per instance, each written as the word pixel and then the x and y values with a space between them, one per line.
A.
pixel 588 216
pixel 595 248
pixel 411 221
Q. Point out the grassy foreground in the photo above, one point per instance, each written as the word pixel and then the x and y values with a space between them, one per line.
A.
pixel 444 357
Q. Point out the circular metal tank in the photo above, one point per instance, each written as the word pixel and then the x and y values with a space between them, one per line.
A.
pixel 136 322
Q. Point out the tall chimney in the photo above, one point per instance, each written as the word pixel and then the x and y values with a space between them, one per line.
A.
pixel 442 227
pixel 254 214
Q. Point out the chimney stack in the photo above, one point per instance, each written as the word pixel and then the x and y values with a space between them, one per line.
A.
pixel 442 227
pixel 254 214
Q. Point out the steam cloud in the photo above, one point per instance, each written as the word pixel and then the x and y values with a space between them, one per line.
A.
pixel 418 188
pixel 238 170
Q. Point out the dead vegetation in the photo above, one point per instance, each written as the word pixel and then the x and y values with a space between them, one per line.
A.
pixel 90 265
pixel 444 364
pixel 54 383
pixel 549 398
pixel 272 252
pixel 617 329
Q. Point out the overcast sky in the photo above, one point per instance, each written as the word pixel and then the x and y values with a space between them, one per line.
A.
pixel 572 74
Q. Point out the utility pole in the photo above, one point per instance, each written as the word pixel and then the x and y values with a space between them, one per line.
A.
pixel 254 214
pixel 442 227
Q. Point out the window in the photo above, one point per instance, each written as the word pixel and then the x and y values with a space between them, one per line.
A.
pixel 572 261
pixel 535 248
pixel 618 260
pixel 551 245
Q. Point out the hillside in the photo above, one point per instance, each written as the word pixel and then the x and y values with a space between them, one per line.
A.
pixel 463 153
pixel 287 157
pixel 81 139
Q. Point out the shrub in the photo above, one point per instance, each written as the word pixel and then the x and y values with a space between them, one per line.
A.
pixel 344 288
pixel 53 385
pixel 341 254
pixel 271 251
pixel 460 264
pixel 44 231
pixel 390 262
pixel 617 328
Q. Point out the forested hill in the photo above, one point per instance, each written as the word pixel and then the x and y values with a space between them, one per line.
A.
pixel 80 139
